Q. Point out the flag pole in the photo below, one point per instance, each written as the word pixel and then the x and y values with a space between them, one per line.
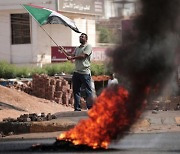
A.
pixel 60 47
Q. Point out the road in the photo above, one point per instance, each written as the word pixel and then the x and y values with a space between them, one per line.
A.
pixel 150 143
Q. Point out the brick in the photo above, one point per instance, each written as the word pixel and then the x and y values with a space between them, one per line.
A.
pixel 52 82
pixel 58 100
pixel 64 82
pixel 58 94
pixel 52 88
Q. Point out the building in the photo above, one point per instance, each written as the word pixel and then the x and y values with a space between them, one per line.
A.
pixel 23 41
pixel 115 12
pixel 120 8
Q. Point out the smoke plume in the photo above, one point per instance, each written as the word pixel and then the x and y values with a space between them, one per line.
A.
pixel 148 60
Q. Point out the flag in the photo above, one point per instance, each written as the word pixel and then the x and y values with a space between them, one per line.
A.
pixel 46 16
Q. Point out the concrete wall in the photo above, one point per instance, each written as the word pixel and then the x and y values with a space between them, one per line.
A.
pixel 59 33
pixel 5 36
pixel 17 54
pixel 91 31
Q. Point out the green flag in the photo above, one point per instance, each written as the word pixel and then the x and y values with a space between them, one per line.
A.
pixel 46 16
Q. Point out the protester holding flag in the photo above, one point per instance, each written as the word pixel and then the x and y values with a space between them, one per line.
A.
pixel 82 73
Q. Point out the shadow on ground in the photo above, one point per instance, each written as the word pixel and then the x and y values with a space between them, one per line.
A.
pixel 7 106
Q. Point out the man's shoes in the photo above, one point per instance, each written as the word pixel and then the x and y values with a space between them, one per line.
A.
pixel 77 109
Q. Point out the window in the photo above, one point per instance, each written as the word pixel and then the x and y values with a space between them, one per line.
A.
pixel 20 29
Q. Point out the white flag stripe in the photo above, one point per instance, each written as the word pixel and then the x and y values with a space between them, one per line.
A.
pixel 67 20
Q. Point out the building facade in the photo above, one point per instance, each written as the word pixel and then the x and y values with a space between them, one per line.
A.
pixel 23 41
pixel 120 8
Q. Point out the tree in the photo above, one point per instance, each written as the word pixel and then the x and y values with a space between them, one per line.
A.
pixel 105 35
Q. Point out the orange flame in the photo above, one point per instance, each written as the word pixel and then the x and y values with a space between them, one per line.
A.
pixel 108 117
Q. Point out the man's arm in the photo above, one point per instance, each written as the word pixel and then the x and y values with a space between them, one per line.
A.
pixel 81 56
pixel 87 52
pixel 65 52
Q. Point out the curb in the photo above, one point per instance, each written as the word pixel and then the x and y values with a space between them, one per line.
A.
pixel 71 114
pixel 50 126
pixel 67 120
pixel 63 122
pixel 7 128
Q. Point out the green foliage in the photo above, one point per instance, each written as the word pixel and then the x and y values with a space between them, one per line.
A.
pixel 37 70
pixel 23 72
pixel 51 69
pixel 11 71
pixel 98 68
pixel 66 67
pixel 105 35
pixel 7 70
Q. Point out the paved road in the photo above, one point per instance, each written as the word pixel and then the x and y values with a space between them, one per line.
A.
pixel 134 143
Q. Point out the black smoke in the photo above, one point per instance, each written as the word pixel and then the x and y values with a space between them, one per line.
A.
pixel 147 58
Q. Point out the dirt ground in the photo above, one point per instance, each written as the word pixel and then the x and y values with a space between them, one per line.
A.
pixel 13 103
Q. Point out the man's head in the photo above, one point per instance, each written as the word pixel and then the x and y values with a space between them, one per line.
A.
pixel 112 76
pixel 83 38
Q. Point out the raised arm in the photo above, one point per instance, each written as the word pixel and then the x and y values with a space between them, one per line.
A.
pixel 65 52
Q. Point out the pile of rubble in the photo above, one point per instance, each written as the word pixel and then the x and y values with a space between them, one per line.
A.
pixel 165 104
pixel 31 117
pixel 22 86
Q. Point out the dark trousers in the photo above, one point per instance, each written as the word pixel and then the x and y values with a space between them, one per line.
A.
pixel 79 79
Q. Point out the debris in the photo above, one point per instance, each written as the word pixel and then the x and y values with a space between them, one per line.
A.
pixel 11 133
pixel 2 134
pixel 154 111
pixel 31 117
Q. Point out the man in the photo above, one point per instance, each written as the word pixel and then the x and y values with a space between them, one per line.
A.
pixel 112 80
pixel 82 73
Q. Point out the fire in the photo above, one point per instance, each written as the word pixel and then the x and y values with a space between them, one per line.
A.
pixel 107 118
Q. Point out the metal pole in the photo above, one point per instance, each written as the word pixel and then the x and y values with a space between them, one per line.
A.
pixel 60 47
